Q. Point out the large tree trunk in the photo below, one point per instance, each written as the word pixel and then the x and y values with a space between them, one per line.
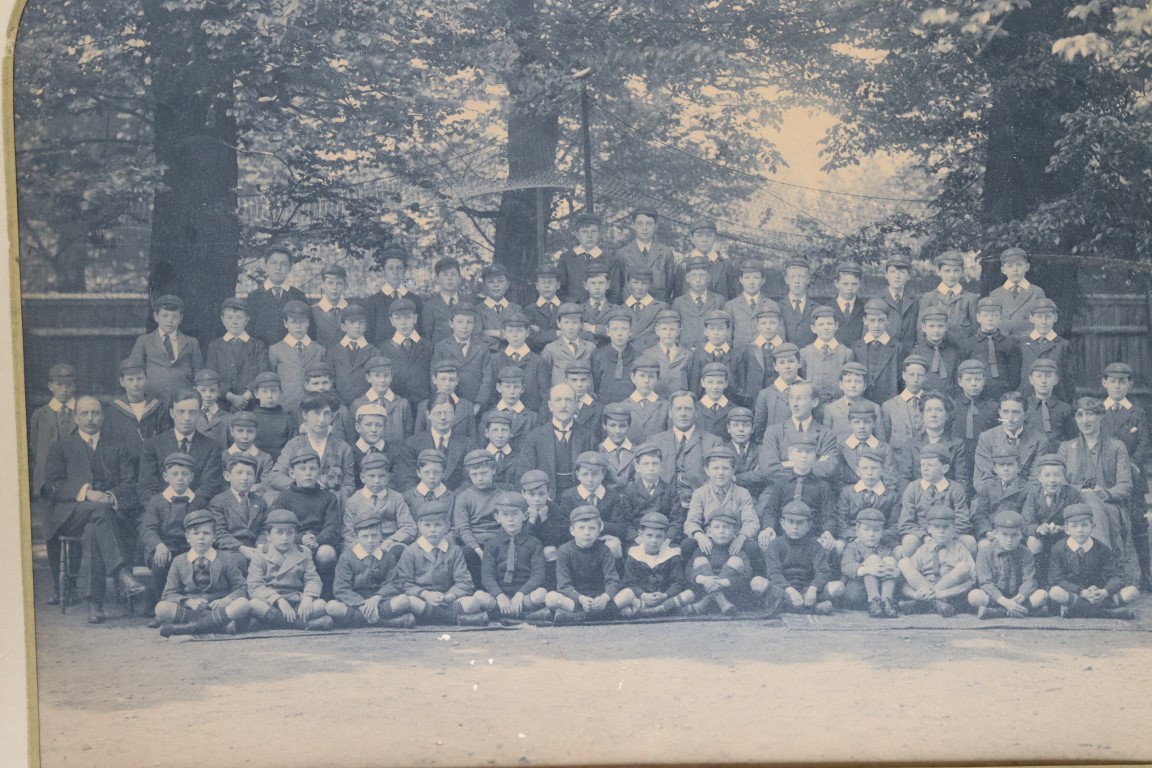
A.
pixel 194 249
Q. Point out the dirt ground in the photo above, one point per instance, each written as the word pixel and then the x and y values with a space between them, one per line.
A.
pixel 118 694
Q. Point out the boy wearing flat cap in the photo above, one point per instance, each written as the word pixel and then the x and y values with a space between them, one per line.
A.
pixel 641 308
pixel 958 305
pixel 743 307
pixel 541 314
pixel 868 567
pixel 473 514
pixel 54 420
pixel 848 306
pixel 727 576
pixel 649 492
pixel 393 259
pixel 648 412
pixel 238 512
pixel 494 307
pixel 940 573
pixel 1086 577
pixel 596 308
pixel 697 299
pixel 654 582
pixel 364 588
pixel 574 262
pixel 465 347
pixel 644 252
pixel 612 362
pixel 518 355
pixel 328 313
pixel 275 426
pixel 283 585
pixel 436 312
pixel 170 357
pixel 131 419
pixel 824 358
pixel 1006 583
pixel 212 420
pixel 668 354
pixel 939 348
pixel 1043 341
pixel 879 352
pixel 410 353
pixel 717 347
pixel 567 348
pixel 1044 413
pixel 512 567
pixel 351 355
pixel 798 567
pixel 587 578
pixel 713 407
pixel 1128 423
pixel 237 357
pixel 317 509
pixel 397 526
pixel 498 438
pixel 755 366
pixel 992 346
pixel 429 472
pixel 294 354
pixel 616 448
pixel 434 576
pixel 616 515
pixel 510 386
pixel 205 590
pixel 161 526
pixel 1016 296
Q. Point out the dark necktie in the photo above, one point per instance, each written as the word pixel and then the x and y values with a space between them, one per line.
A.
pixel 430 496
pixel 715 407
pixel 1012 441
pixel 64 418
pixel 180 499
pixel 246 505
pixel 596 307
pixel 499 308
pixel 799 489
pixel 452 301
pixel 644 252
pixel 618 374
pixel 931 491
pixel 700 302
pixel 937 361
pixel 993 367
pixel 186 445
pixel 373 449
pixel 510 566
pixel 1046 416
pixel 201 576
pixel 970 421
pixel 277 293
pixel 563 433
pixel 300 347
pixel 515 357
pixel 1115 408
pixel 463 348
pixel 407 344
pixel 869 498
pixel 373 499
pixel 169 348
pixel 796 305
pixel 1016 291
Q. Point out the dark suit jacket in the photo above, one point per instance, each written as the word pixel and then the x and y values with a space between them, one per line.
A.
pixel 690 474
pixel 121 424
pixel 537 380
pixel 538 451
pixel 903 318
pixel 436 317
pixel 208 472
pixel 849 327
pixel 406 464
pixel 377 306
pixel 1130 426
pixel 167 376
pixel 71 466
pixel 475 372
pixel 237 362
pixel 664 500
pixel 883 364
pixel 544 318
pixel 351 366
pixel 797 328
pixel 264 309
pixel 410 368
pixel 660 260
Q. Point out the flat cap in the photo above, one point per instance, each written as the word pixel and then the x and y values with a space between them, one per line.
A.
pixel 498 417
pixel 366 520
pixel 433 509
pixel 179 458
pixel 740 414
pixel 533 478
pixel 335 270
pixel 318 369
pixel 282 517
pixel 645 211
pixel 597 267
pixel 206 376
pixel 242 419
pixel 898 261
pixel 233 303
pixel 750 264
pixel 715 369
pixel 1118 369
pixel 1013 254
pixel 1043 305
pixel 823 311
pixel 767 308
pixel 431 455
pixel 445 366
pixel 168 301
pixel 547 270
pixel 702 224
pixel 696 262
pixel 1051 460
pixel 648 448
pixel 379 362
pixel 376 461
pixel 970 366
pixel 579 367
pixel 265 379
pixel 393 251
pixel 1075 511
pixel 724 514
pixel 591 459
pixel 198 517
pixel 951 257
pixel 587 219
pixel 1043 364
pixel 515 318
pixel 478 457
pixel 617 412
pixel 786 349
pixel 642 364
pixel 849 268
pixel 510 373
pixel 862 410
pixel 654 520
pixel 933 314
pixel 1008 519
pixel 719 452
pixel 796 261
pixel 1005 453
pixel 354 312
pixel 858 368
pixel 935 451
pixel 493 270
pixel 870 515
pixel 940 514
pixel 241 458
pixel 127 364
pixel 875 307
pixel 916 360
pixel 568 308
pixel 797 509
pixel 668 316
pixel 804 441
pixel 66 371
pixel 294 308
pixel 584 512
pixel 371 409
pixel 717 316
pixel 988 304
pixel 465 308
pixel 508 500
pixel 401 305
pixel 640 273
pixel 305 455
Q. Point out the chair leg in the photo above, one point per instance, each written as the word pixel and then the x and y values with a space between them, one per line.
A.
pixel 65 570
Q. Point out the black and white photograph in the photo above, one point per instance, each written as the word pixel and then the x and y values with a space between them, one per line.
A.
pixel 538 382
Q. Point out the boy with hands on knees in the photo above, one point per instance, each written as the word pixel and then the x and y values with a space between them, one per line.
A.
pixel 653 573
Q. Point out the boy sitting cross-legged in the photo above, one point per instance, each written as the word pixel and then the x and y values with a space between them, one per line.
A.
pixel 615 512
pixel 364 589
pixel 512 567
pixel 799 572
pixel 283 585
pixel 869 569
pixel 586 576
pixel 205 590
pixel 653 573
pixel 941 571
pixel 1085 575
pixel 1006 573
pixel 730 578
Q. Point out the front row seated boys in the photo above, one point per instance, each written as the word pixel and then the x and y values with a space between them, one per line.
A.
pixel 940 572
pixel 653 573
pixel 586 576
pixel 1086 576
pixel 1006 573
pixel 364 589
pixel 798 568
pixel 283 585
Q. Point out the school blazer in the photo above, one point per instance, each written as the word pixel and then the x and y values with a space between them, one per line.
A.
pixel 644 323
pixel 608 387
pixel 1015 310
pixel 883 364
pixel 538 451
pixel 410 368
pixel 797 327
pixel 166 376
pixel 774 451
pixel 406 464
pixel 350 365
pixel 377 306
pixel 226 583
pixel 902 420
pixel 692 316
pixel 235 526
pixel 237 362
pixel 215 426
pixel 747 466
pixel 1057 350
pixel 722 276
pixel 555 358
pixel 491 320
pixel 691 458
pixel 588 417
pixel 337 453
pixel 71 465
pixel 291 365
pixel 476 383
pixel 663 499
pixel 903 319
pixel 673 373
pixel 436 317
pixel 121 424
pixel 1113 474
pixel 646 421
pixel 960 308
pixel 264 309
pixel 537 379
pixel 291 579
pixel 543 316
pixel 325 326
pixel 660 259
pixel 701 357
pixel 573 268
pixel 208 472
pixel 1030 445
pixel 1130 426
pixel 744 326
pixel 850 327
pixel 771 408
pixel 836 419
pixel 754 369
pixel 598 319
pixel 464 422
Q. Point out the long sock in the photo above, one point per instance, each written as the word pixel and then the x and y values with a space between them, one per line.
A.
pixel 185 615
pixel 275 619
pixel 217 618
pixel 354 618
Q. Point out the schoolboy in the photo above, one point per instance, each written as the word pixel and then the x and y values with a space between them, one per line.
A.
pixel 588 407
pixel 433 574
pixel 382 400
pixel 410 353
pixel 567 348
pixel 517 354
pixel 697 299
pixel 393 260
pixel 371 420
pixel 544 520
pixel 351 355
pixel 1086 577
pixel 938 346
pixel 170 358
pixel 802 401
pixel 1006 583
pixel 1128 423
pixel 320 439
pixel 1043 342
pixel 668 354
pixel 512 567
pixel 283 585
pixel 596 308
pixel 294 354
pixel 274 425
pixel 716 348
pixel 958 305
pixel 903 305
pixel 444 433
pixel 574 262
pixel 378 501
pixel 824 358
pixel 975 411
pixel 319 380
pixel 649 492
pixel 212 420
pixel 901 414
pixel 541 313
pixel 800 484
pixel 798 567
pixel 796 307
pixel 133 418
pixel 721 277
pixel 932 491
pixel 755 367
pixel 612 362
pixel 713 406
pixel 1044 413
pixel 879 352
pixel 327 314
pixel 473 518
pixel 429 485
pixel 868 567
pixel 509 389
pixel 498 443
pixel 644 252
pixel 836 414
pixel 641 308
pixel 772 402
pixel 999 352
pixel 161 526
pixel 727 578
pixel 495 305
pixel 739 434
pixel 860 442
pixel 364 592
pixel 1044 507
pixel 648 411
pixel 1016 296
pixel 618 526
pixel 238 512
pixel 445 383
pixel 53 420
pixel 587 578
pixel 204 591
pixel 940 572
pixel 266 302
pixel 436 312
pixel 720 492
pixel 848 306
pixel 1008 492
pixel 317 509
pixel 469 353
pixel 237 357
pixel 617 450
pixel 654 583
pixel 743 308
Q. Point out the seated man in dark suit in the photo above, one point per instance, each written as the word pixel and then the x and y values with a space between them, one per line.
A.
pixel 554 445
pixel 88 481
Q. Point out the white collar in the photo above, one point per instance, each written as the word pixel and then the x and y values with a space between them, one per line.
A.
pixel 852 442
pixel 292 342
pixel 558 427
pixel 822 345
pixel 244 337
pixel 373 396
pixel 844 303
pixel 632 301
pixel 492 304
pixel 252 450
pixel 319 447
pixel 424 545
pixel 210 555
pixel 518 408
pixel 593 252
pixel 684 435
pixel 587 400
pixel 803 301
pixel 944 290
pixel 667 552
pixel 388 290
pixel 879 489
pixel 1024 285
pixel 636 397
pixel 554 301
pixel 397 339
pixel 368 494
pixel 56 405
pixel 505 451
pixel 703 295
pixel 170 494
pixel 585 493
pixel 269 286
pixel 362 553
pixel 773 342
pixel 611 447
pixel 779 385
pixel 1077 547
pixel 712 349
pixel 941 486
pixel 328 306
pixel 446 297
pixel 907 396
pixel 91 440
pixel 708 402
pixel 883 339
pixel 444 436
pixel 756 299
pixel 523 350
pixel 363 446
pixel 1035 336
pixel 238 497
pixel 1126 404
pixel 807 424
pixel 359 343
pixel 423 489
